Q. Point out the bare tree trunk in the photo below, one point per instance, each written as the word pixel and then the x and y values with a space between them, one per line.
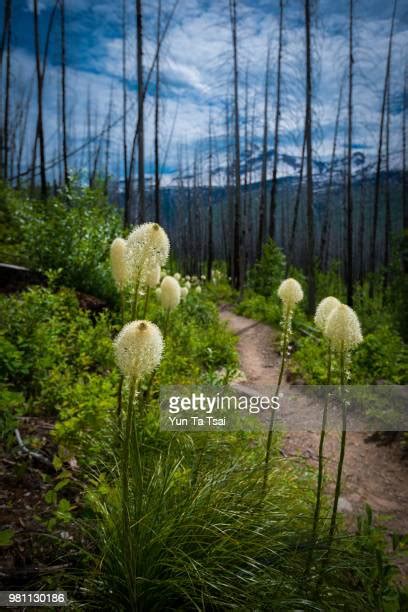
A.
pixel 349 257
pixel 387 224
pixel 325 234
pixel 210 249
pixel 63 93
pixel 311 301
pixel 251 251
pixel 40 102
pixel 108 141
pixel 263 196
pixel 4 37
pixel 22 134
pixel 291 245
pixel 88 134
pixel 237 221
pixel 272 220
pixel 43 70
pixel 14 128
pixel 156 121
pixel 140 117
pixel 140 108
pixel 379 156
pixel 126 210
pixel 404 152
pixel 361 229
pixel 7 97
pixel 230 203
pixel 245 199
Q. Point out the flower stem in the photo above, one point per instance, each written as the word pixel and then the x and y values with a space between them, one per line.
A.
pixel 332 528
pixel 135 298
pixel 119 407
pixel 287 317
pixel 146 302
pixel 166 323
pixel 125 460
pixel 122 306
pixel 316 515
pixel 342 452
pixel 153 374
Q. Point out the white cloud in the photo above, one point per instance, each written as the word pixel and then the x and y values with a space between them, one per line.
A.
pixel 196 73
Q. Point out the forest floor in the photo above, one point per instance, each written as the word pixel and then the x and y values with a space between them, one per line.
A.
pixel 372 474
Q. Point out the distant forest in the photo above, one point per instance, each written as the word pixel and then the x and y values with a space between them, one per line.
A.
pixel 221 203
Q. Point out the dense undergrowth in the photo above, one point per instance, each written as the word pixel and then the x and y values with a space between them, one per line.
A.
pixel 203 536
pixel 383 355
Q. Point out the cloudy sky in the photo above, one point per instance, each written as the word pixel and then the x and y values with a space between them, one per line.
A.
pixel 196 70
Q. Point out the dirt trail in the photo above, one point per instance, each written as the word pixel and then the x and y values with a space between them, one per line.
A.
pixel 372 474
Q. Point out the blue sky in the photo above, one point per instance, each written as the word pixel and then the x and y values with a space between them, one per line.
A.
pixel 196 69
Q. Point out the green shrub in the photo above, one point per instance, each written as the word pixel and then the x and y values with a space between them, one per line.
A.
pixel 382 356
pixel 330 283
pixel 70 234
pixel 57 361
pixel 267 273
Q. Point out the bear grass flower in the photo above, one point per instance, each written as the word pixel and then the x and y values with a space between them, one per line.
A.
pixel 198 289
pixel 170 293
pixel 138 349
pixel 147 246
pixel 118 262
pixel 183 292
pixel 290 292
pixel 153 277
pixel 343 328
pixel 323 311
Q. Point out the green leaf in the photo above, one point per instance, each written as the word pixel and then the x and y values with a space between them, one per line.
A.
pixel 6 537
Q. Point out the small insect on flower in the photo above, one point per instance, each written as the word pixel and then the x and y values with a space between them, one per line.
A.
pixel 183 292
pixel 147 246
pixel 290 292
pixel 323 311
pixel 170 293
pixel 343 328
pixel 118 262
pixel 153 277
pixel 138 348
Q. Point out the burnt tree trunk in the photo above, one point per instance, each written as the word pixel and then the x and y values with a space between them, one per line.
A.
pixel 237 221
pixel 156 123
pixel 311 296
pixel 63 94
pixel 263 196
pixel 377 185
pixel 41 141
pixel 140 108
pixel 349 255
pixel 272 220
